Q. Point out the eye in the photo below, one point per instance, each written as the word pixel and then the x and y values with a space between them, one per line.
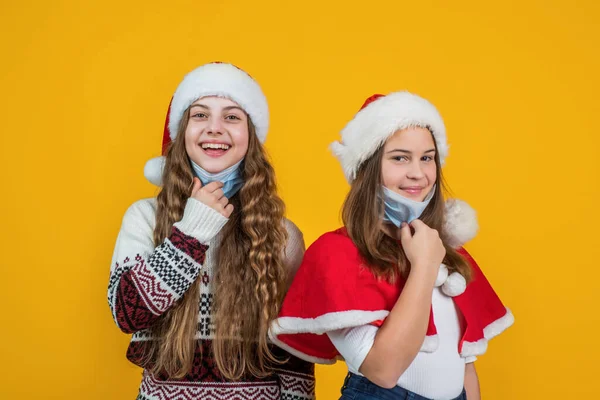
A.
pixel 427 158
pixel 400 158
pixel 199 115
pixel 232 117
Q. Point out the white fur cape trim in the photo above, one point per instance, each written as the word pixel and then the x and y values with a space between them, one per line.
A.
pixel 331 322
pixel 492 330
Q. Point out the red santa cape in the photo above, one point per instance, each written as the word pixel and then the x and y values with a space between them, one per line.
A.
pixel 333 289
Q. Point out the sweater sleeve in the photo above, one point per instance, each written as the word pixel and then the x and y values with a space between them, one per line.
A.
pixel 145 281
pixel 294 250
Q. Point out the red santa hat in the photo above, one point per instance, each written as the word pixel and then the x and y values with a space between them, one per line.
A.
pixel 378 119
pixel 214 79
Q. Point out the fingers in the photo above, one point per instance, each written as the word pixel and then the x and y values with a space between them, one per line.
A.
pixel 212 195
pixel 418 225
pixel 219 194
pixel 213 186
pixel 223 201
pixel 196 185
pixel 421 228
pixel 227 211
pixel 405 232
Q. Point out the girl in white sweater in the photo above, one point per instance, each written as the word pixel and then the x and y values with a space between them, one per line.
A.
pixel 199 272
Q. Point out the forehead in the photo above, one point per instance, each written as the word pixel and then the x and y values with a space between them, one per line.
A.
pixel 411 138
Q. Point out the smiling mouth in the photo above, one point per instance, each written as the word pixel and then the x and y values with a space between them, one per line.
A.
pixel 412 190
pixel 215 149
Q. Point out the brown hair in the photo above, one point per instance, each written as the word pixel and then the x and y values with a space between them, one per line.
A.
pixel 250 278
pixel 362 215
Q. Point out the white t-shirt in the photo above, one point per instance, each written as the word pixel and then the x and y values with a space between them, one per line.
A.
pixel 437 375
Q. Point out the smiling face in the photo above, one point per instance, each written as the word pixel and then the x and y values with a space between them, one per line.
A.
pixel 408 163
pixel 216 136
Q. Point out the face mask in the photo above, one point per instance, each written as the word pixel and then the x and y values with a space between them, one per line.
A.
pixel 399 209
pixel 231 178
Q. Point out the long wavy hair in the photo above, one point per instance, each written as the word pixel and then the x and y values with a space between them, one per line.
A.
pixel 362 215
pixel 250 272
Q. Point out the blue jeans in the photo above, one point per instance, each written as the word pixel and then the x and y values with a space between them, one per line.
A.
pixel 358 387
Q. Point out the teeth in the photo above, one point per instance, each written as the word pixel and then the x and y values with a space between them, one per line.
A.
pixel 215 146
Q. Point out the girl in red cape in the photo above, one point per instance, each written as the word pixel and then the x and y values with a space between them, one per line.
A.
pixel 393 292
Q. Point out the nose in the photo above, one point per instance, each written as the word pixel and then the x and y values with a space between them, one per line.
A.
pixel 415 170
pixel 215 126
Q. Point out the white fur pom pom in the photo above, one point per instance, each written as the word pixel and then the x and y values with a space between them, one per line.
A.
pixel 442 276
pixel 341 152
pixel 461 223
pixel 337 149
pixel 454 285
pixel 153 170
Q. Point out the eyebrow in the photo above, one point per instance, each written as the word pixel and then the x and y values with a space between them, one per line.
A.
pixel 233 107
pixel 409 152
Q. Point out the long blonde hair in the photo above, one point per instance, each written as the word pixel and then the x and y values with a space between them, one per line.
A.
pixel 362 211
pixel 250 272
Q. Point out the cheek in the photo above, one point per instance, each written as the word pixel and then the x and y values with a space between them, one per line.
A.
pixel 431 173
pixel 240 140
pixel 390 174
pixel 190 139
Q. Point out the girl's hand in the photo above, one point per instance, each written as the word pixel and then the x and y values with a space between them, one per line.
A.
pixel 212 195
pixel 424 249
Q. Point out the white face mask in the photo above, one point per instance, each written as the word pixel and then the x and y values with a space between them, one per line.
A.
pixel 399 209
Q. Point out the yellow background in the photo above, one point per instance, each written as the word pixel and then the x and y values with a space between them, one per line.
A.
pixel 84 90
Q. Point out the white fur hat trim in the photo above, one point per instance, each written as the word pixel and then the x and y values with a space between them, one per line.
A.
pixel 223 80
pixel 379 120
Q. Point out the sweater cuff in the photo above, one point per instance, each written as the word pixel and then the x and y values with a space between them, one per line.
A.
pixel 200 221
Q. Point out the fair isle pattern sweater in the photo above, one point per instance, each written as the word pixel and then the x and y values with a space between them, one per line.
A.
pixel 145 281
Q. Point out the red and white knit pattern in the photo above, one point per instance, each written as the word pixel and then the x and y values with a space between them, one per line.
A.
pixel 145 281
pixel 153 389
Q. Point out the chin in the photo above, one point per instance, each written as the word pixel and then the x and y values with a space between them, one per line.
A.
pixel 211 164
pixel 216 167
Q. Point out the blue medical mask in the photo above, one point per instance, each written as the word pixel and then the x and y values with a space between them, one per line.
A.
pixel 231 177
pixel 399 209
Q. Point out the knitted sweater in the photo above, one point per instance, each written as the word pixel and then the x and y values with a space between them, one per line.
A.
pixel 145 281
